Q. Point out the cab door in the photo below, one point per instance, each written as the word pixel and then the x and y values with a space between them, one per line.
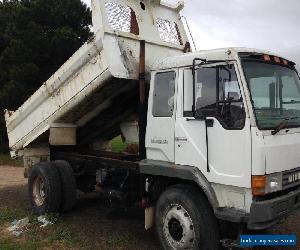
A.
pixel 161 116
pixel 220 146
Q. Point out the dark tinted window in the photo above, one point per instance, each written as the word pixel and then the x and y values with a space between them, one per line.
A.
pixel 164 89
pixel 226 104
pixel 205 92
pixel 230 110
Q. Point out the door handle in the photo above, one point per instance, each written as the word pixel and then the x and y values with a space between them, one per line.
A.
pixel 180 139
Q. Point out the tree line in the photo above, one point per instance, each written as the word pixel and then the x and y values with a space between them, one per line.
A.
pixel 36 38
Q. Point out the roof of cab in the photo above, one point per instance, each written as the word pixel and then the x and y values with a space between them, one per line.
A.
pixel 215 54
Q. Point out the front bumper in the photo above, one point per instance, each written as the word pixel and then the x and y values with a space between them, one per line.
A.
pixel 264 214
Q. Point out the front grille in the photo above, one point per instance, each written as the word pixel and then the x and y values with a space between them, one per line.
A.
pixel 286 183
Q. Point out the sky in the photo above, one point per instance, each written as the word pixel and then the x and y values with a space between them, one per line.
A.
pixel 272 25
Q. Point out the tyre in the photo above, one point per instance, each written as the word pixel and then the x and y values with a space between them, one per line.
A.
pixel 185 220
pixel 44 188
pixel 68 185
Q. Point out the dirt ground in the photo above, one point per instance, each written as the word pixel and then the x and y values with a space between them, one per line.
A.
pixel 92 224
pixel 11 177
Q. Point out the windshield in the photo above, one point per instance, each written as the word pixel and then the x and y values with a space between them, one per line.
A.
pixel 275 92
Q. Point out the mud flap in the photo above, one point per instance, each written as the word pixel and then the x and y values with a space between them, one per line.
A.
pixel 149 217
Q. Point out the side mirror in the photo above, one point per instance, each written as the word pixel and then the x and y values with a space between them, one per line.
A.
pixel 233 96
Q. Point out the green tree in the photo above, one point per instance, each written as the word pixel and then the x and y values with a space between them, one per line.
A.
pixel 36 38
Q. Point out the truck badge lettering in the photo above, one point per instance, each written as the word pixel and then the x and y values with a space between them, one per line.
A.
pixel 159 141
pixel 294 177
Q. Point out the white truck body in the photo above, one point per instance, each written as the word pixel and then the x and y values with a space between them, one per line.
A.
pixel 111 53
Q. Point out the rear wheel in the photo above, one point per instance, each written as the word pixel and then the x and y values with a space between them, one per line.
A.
pixel 44 188
pixel 68 185
pixel 185 220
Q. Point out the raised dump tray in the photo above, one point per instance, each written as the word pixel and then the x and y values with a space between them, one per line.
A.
pixel 96 89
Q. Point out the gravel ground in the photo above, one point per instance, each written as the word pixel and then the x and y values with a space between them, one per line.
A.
pixel 96 224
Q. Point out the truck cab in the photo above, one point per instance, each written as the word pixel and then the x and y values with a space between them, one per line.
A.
pixel 234 116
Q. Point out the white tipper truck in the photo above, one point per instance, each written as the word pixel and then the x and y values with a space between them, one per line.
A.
pixel 214 135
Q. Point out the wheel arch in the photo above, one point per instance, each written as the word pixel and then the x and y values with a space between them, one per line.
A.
pixel 175 174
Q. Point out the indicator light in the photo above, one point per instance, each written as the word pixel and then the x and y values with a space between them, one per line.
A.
pixel 277 59
pixel 258 185
pixel 267 58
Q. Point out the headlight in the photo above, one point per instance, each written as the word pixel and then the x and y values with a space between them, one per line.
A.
pixel 274 183
pixel 265 184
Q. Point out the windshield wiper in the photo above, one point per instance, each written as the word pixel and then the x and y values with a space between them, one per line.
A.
pixel 291 102
pixel 282 125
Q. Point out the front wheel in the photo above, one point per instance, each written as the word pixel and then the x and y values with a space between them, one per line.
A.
pixel 185 220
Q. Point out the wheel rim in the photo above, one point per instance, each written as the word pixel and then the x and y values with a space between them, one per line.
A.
pixel 39 191
pixel 178 227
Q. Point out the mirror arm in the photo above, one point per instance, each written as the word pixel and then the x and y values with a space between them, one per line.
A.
pixel 228 71
pixel 194 86
pixel 202 61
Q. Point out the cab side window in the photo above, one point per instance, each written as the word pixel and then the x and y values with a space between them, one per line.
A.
pixel 163 98
pixel 217 94
pixel 206 89
pixel 230 108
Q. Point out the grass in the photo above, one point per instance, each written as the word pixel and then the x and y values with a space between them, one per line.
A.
pixel 10 244
pixel 64 236
pixel 53 217
pixel 34 237
pixel 9 215
pixel 119 240
pixel 117 145
pixel 5 159
pixel 57 236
